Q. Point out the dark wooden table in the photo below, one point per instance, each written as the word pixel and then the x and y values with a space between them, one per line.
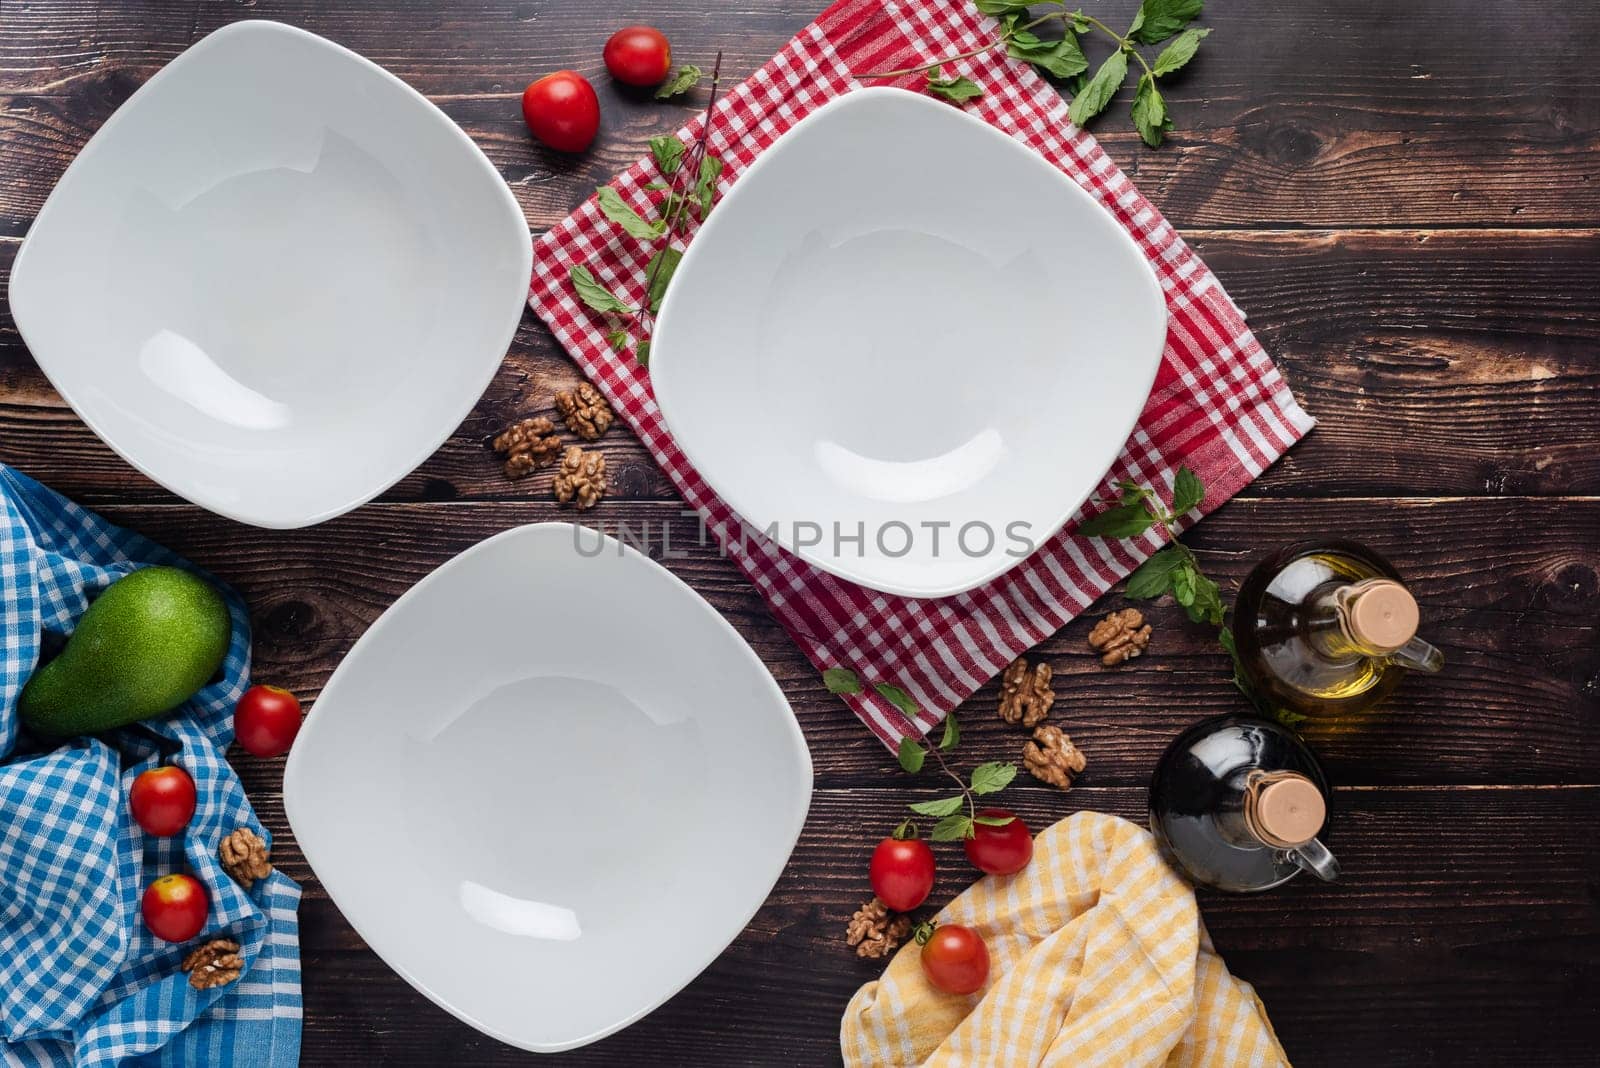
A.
pixel 1404 197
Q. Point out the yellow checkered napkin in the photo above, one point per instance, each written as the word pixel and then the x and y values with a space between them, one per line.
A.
pixel 1097 957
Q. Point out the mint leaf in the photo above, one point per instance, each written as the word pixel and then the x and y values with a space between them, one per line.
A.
pixel 685 78
pixel 952 828
pixel 1183 583
pixel 1154 576
pixel 994 821
pixel 617 339
pixel 1159 19
pixel 952 733
pixel 942 807
pixel 911 755
pixel 841 680
pixel 641 352
pixel 705 184
pixel 1101 88
pixel 613 207
pixel 659 272
pixel 897 697
pixel 992 778
pixel 668 151
pixel 1187 491
pixel 1123 521
pixel 1000 7
pixel 1062 58
pixel 595 295
pixel 1179 52
pixel 1150 112
pixel 1206 604
pixel 957 90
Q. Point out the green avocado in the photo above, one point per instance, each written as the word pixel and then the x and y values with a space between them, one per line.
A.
pixel 145 646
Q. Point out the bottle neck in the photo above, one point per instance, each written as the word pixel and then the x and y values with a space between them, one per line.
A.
pixel 1372 618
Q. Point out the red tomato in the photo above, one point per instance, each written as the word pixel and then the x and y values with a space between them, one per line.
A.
pixel 902 872
pixel 639 55
pixel 162 800
pixel 1000 850
pixel 266 720
pixel 955 959
pixel 174 907
pixel 562 111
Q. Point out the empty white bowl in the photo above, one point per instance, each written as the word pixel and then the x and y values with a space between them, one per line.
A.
pixel 276 279
pixel 906 344
pixel 549 785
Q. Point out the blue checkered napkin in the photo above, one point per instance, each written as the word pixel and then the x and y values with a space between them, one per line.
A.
pixel 81 980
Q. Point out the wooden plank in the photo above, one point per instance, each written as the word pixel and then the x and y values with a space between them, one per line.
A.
pixel 1462 914
pixel 1513 610
pixel 1357 114
pixel 1438 363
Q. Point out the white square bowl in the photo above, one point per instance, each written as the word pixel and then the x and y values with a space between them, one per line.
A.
pixel 901 321
pixel 276 279
pixel 549 785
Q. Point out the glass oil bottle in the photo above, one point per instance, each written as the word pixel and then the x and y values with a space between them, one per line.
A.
pixel 1327 628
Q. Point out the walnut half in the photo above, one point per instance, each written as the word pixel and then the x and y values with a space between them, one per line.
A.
pixel 213 964
pixel 1025 694
pixel 1119 637
pixel 585 411
pixel 581 478
pixel 875 931
pixel 1051 757
pixel 244 856
pixel 527 446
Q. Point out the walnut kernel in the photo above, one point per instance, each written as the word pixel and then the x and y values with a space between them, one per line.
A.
pixel 213 964
pixel 244 856
pixel 875 931
pixel 581 478
pixel 1119 637
pixel 585 411
pixel 527 446
pixel 1051 757
pixel 1025 695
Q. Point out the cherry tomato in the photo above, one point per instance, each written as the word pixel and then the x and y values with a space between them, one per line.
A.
pixel 639 55
pixel 162 800
pixel 266 720
pixel 174 907
pixel 955 959
pixel 902 872
pixel 562 111
pixel 1000 850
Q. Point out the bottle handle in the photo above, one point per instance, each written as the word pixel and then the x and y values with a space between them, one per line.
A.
pixel 1417 655
pixel 1314 857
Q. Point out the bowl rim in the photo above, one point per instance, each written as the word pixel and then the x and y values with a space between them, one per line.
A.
pixel 661 350
pixel 796 750
pixel 240 512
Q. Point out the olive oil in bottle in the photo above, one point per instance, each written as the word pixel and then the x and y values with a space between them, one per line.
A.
pixel 1327 628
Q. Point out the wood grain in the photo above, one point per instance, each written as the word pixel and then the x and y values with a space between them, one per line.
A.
pixel 1515 615
pixel 1361 113
pixel 1460 363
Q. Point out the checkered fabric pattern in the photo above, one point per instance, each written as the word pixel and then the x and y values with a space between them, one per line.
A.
pixel 1098 959
pixel 81 980
pixel 1218 404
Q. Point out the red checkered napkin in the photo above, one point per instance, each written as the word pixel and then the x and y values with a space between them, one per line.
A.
pixel 1218 405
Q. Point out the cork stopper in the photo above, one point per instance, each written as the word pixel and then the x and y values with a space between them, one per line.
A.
pixel 1286 810
pixel 1381 614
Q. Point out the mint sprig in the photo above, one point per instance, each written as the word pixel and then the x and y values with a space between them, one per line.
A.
pixel 1062 57
pixel 691 187
pixel 954 824
pixel 1174 569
